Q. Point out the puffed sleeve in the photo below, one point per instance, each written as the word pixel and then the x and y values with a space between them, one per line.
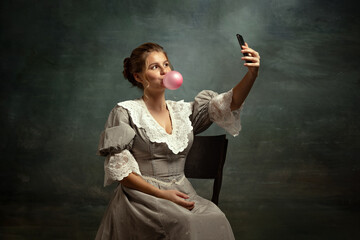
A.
pixel 115 142
pixel 211 107
pixel 118 134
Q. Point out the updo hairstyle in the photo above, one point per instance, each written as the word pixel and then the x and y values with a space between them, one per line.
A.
pixel 136 62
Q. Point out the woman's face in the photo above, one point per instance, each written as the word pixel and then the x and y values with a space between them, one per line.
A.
pixel 156 66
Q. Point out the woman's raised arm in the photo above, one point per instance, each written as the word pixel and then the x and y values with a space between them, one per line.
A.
pixel 242 89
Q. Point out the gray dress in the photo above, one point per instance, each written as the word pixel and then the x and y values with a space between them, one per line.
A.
pixel 134 142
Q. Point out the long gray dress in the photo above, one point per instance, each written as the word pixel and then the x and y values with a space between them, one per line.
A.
pixel 134 142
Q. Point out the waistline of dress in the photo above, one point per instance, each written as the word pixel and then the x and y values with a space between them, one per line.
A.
pixel 162 167
pixel 172 180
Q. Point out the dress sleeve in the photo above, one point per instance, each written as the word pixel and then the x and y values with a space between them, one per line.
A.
pixel 118 166
pixel 118 134
pixel 211 107
pixel 115 144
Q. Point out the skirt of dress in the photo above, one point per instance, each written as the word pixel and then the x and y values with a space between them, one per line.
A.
pixel 132 214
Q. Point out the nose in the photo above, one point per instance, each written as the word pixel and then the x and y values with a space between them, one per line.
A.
pixel 163 70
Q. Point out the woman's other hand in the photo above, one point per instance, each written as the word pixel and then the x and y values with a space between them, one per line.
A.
pixel 177 197
pixel 254 58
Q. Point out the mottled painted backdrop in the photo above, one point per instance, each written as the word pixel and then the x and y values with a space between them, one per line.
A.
pixel 294 171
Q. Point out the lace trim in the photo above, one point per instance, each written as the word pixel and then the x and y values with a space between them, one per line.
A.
pixel 221 114
pixel 118 166
pixel 179 111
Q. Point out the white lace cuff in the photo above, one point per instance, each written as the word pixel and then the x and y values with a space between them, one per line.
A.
pixel 221 114
pixel 118 166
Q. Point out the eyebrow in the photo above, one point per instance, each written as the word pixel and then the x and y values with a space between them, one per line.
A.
pixel 158 63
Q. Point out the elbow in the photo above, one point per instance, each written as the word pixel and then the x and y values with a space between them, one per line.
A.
pixel 129 180
pixel 126 181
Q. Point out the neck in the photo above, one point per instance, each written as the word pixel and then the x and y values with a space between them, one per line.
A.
pixel 155 102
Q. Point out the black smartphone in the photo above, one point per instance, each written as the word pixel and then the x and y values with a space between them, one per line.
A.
pixel 242 42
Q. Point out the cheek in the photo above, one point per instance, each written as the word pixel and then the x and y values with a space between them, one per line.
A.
pixel 151 75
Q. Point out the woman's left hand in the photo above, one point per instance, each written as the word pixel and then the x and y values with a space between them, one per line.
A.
pixel 254 59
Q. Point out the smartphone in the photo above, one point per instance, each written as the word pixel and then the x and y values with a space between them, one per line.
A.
pixel 242 42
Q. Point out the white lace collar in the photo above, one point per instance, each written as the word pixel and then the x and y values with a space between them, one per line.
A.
pixel 179 111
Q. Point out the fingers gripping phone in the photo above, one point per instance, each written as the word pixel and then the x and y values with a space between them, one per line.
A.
pixel 242 42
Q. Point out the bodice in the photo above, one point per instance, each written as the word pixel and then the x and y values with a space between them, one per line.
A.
pixel 156 159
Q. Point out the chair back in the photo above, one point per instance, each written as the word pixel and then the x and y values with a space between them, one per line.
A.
pixel 206 161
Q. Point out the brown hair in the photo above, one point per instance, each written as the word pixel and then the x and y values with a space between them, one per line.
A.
pixel 136 62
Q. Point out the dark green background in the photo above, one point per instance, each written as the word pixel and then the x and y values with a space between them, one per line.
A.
pixel 292 173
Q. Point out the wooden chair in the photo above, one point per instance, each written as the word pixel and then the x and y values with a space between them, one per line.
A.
pixel 206 161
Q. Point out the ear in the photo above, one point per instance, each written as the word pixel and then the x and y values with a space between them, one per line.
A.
pixel 137 77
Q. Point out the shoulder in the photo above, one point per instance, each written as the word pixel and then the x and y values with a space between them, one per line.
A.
pixel 122 110
pixel 180 107
pixel 128 104
pixel 205 95
pixel 131 109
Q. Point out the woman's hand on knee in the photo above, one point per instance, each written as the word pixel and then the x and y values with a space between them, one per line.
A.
pixel 177 197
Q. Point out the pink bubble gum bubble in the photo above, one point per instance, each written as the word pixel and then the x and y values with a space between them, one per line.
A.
pixel 173 80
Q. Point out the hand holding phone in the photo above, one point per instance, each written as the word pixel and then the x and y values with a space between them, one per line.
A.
pixel 242 42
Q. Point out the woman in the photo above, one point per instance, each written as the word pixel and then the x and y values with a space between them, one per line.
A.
pixel 146 141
